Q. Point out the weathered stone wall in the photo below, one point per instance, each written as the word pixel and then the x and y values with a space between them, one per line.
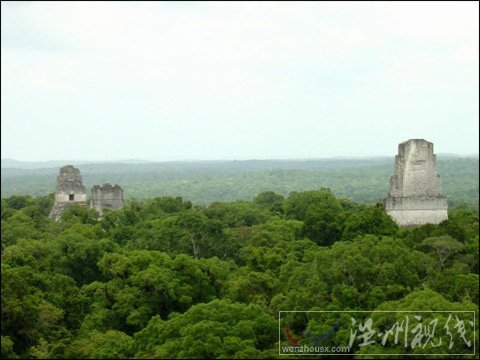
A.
pixel 107 196
pixel 418 217
pixel 415 170
pixel 69 184
pixel 415 195
pixel 66 197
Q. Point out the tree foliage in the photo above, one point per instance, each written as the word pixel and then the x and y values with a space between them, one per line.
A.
pixel 167 278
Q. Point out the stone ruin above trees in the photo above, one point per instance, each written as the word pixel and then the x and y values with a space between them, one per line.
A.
pixel 106 196
pixel 415 196
pixel 70 191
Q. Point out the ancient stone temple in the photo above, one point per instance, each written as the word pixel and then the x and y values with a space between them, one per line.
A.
pixel 415 196
pixel 107 196
pixel 69 190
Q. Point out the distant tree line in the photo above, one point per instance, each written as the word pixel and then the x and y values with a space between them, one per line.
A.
pixel 364 181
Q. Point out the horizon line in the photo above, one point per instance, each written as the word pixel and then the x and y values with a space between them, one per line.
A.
pixel 336 157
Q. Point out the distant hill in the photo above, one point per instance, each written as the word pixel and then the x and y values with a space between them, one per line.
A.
pixel 448 155
pixel 336 162
pixel 203 182
pixel 12 163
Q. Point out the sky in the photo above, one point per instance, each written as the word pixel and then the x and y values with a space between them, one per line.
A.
pixel 168 81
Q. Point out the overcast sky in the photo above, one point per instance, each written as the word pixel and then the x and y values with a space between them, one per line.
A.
pixel 180 80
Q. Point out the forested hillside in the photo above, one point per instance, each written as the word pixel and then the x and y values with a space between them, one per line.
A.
pixel 204 182
pixel 168 278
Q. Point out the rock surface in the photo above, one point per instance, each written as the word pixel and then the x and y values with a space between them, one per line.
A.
pixel 415 196
pixel 69 190
pixel 107 196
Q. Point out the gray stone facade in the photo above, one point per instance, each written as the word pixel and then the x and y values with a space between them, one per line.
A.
pixel 415 196
pixel 107 196
pixel 69 190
